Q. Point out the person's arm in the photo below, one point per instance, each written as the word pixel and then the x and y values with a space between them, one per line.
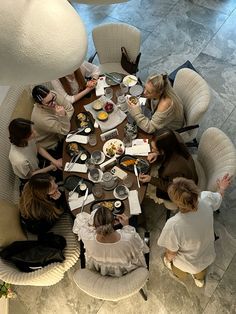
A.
pixel 170 255
pixel 82 226
pixel 169 240
pixel 46 155
pixel 90 70
pixel 223 183
pixel 57 86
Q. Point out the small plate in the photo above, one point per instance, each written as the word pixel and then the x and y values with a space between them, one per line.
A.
pixel 118 77
pixel 130 80
pixel 99 178
pixel 136 90
pixel 143 165
pixel 73 148
pixel 84 121
pixel 111 148
pixel 119 195
pixel 110 204
pixel 71 182
pixel 96 160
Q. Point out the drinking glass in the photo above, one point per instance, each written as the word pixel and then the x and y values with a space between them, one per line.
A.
pixel 127 140
pixel 92 140
pixel 97 190
pixel 109 93
pixel 90 164
pixel 124 89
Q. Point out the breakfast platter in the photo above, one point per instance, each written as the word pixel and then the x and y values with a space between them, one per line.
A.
pixel 114 205
pixel 84 121
pixel 127 162
pixel 74 148
pixel 113 148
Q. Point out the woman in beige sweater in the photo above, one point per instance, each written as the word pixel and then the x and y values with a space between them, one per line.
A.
pixel 166 107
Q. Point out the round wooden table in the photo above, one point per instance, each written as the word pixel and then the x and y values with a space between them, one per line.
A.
pixel 79 107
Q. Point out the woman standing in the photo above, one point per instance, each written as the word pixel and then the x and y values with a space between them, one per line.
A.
pixel 173 158
pixel 166 107
pixel 108 251
pixel 74 86
pixel 188 237
pixel 40 203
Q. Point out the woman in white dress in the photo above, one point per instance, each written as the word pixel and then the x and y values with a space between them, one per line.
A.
pixel 74 86
pixel 189 235
pixel 108 251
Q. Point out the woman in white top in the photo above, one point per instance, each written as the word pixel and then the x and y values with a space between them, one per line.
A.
pixel 74 86
pixel 23 150
pixel 189 235
pixel 166 107
pixel 108 251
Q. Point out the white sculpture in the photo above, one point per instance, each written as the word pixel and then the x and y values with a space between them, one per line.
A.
pixel 40 40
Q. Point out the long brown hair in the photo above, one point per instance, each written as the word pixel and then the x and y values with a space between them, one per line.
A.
pixel 103 221
pixel 35 202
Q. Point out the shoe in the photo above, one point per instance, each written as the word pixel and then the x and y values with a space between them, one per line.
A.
pixel 199 283
pixel 167 263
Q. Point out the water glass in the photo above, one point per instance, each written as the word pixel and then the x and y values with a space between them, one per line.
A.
pixel 124 89
pixel 97 190
pixel 90 164
pixel 109 93
pixel 92 139
pixel 127 140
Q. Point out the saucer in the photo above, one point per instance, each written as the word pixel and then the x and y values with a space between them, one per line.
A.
pixel 121 197
pixel 103 157
pixel 136 90
pixel 99 178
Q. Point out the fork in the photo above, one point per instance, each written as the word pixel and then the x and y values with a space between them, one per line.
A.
pixel 74 132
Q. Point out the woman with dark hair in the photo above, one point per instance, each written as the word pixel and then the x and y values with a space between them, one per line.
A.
pixel 40 203
pixel 74 86
pixel 51 115
pixel 108 251
pixel 188 237
pixel 169 151
pixel 166 107
pixel 23 150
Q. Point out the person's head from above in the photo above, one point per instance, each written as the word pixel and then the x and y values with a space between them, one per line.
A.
pixel 157 86
pixel 21 131
pixel 184 194
pixel 36 197
pixel 165 142
pixel 43 96
pixel 103 221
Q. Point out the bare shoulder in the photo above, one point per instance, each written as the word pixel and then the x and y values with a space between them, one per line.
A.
pixel 164 104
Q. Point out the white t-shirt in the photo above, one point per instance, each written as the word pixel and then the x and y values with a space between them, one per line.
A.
pixel 192 235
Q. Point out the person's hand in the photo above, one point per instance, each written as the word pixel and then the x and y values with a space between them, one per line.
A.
pixel 92 83
pixel 152 157
pixel 123 219
pixel 56 195
pixel 224 183
pixel 144 178
pixel 60 110
pixel 52 167
pixel 58 163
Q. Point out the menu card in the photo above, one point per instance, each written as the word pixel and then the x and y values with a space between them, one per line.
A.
pixel 76 167
pixel 134 204
pixel 83 139
pixel 76 202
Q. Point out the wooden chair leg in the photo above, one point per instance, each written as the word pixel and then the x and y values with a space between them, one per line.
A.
pixel 143 294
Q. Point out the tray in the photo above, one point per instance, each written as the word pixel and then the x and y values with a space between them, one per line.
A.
pixel 71 182
pixel 143 165
pixel 73 148
pixel 115 211
pixel 83 119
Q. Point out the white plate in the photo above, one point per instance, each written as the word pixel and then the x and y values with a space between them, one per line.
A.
pixel 103 157
pixel 120 197
pixel 117 143
pixel 130 80
pixel 136 90
pixel 99 179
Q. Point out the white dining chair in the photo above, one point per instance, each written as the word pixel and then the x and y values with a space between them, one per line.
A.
pixel 194 92
pixel 108 40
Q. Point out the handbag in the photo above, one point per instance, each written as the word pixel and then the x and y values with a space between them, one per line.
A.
pixel 127 64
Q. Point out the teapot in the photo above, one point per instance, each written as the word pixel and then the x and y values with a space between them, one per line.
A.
pixel 108 181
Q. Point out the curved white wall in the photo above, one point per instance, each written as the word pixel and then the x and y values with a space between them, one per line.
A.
pixel 40 40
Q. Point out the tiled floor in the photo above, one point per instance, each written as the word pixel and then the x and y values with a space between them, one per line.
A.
pixel 204 32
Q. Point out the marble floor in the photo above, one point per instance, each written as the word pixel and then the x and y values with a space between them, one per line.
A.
pixel 173 31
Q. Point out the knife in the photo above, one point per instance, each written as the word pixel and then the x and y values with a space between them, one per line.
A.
pixel 77 131
pixel 70 166
pixel 136 173
pixel 85 198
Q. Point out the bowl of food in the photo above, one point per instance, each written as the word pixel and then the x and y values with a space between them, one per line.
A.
pixel 108 107
pixel 102 116
pixel 97 105
pixel 133 100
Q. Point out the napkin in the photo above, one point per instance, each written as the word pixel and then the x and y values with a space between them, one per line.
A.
pixel 134 204
pixel 76 167
pixel 101 84
pixel 76 202
pixel 138 150
pixel 83 139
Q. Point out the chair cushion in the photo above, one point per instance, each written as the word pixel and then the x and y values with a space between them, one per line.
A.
pixel 10 228
pixel 110 288
pixel 24 106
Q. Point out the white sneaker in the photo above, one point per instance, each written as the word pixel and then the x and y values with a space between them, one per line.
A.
pixel 198 283
pixel 167 263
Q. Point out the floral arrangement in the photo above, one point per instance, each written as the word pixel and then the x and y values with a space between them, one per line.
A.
pixel 6 291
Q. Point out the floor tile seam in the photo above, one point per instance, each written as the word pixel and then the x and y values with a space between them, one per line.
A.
pixel 227 117
pixel 218 11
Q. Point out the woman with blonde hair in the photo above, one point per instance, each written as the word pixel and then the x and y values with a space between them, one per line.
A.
pixel 188 237
pixel 166 107
pixel 109 251
pixel 40 203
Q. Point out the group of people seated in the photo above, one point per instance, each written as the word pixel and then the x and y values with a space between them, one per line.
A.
pixel 36 158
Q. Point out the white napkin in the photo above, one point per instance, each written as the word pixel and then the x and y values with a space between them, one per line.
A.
pixel 138 150
pixel 134 204
pixel 101 84
pixel 75 202
pixel 83 139
pixel 76 167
